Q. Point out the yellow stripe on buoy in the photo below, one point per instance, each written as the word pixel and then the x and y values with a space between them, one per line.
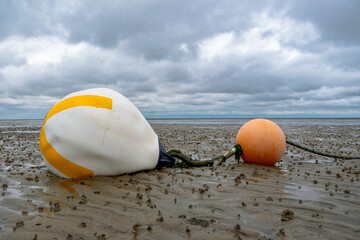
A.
pixel 80 101
pixel 66 167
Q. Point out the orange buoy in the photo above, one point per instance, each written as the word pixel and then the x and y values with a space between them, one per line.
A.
pixel 262 141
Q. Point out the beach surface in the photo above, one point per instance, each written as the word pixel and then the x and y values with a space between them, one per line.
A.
pixel 304 196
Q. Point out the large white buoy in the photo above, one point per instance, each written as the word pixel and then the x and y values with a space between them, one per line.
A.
pixel 99 132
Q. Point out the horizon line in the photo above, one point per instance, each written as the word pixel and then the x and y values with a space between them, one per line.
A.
pixel 176 118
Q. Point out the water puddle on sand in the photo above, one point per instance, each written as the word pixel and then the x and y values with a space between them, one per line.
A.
pixel 12 193
pixel 317 161
pixel 303 193
pixel 13 189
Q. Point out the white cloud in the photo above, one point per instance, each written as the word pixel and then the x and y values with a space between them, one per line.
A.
pixel 286 112
pixel 42 50
pixel 216 46
pixel 184 47
pixel 284 29
pixel 267 35
pixel 216 59
pixel 30 102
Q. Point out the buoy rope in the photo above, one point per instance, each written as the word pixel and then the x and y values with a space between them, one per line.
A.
pixel 321 153
pixel 187 161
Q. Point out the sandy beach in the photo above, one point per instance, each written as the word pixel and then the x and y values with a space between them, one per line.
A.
pixel 304 197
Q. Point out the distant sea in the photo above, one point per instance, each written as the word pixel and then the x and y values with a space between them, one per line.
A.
pixel 35 125
pixel 241 121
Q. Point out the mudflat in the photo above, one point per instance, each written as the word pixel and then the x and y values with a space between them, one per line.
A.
pixel 304 196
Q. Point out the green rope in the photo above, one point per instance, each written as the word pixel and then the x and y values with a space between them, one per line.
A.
pixel 320 153
pixel 187 161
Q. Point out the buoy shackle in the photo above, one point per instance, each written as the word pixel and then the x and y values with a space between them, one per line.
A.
pixel 236 150
pixel 230 153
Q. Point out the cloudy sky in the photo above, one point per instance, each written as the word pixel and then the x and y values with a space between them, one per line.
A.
pixel 184 58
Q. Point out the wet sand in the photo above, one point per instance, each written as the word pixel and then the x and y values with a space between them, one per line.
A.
pixel 304 197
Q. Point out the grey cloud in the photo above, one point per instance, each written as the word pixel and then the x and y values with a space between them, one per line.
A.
pixel 134 47
pixel 337 21
pixel 9 58
pixel 346 58
pixel 155 29
pixel 26 18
